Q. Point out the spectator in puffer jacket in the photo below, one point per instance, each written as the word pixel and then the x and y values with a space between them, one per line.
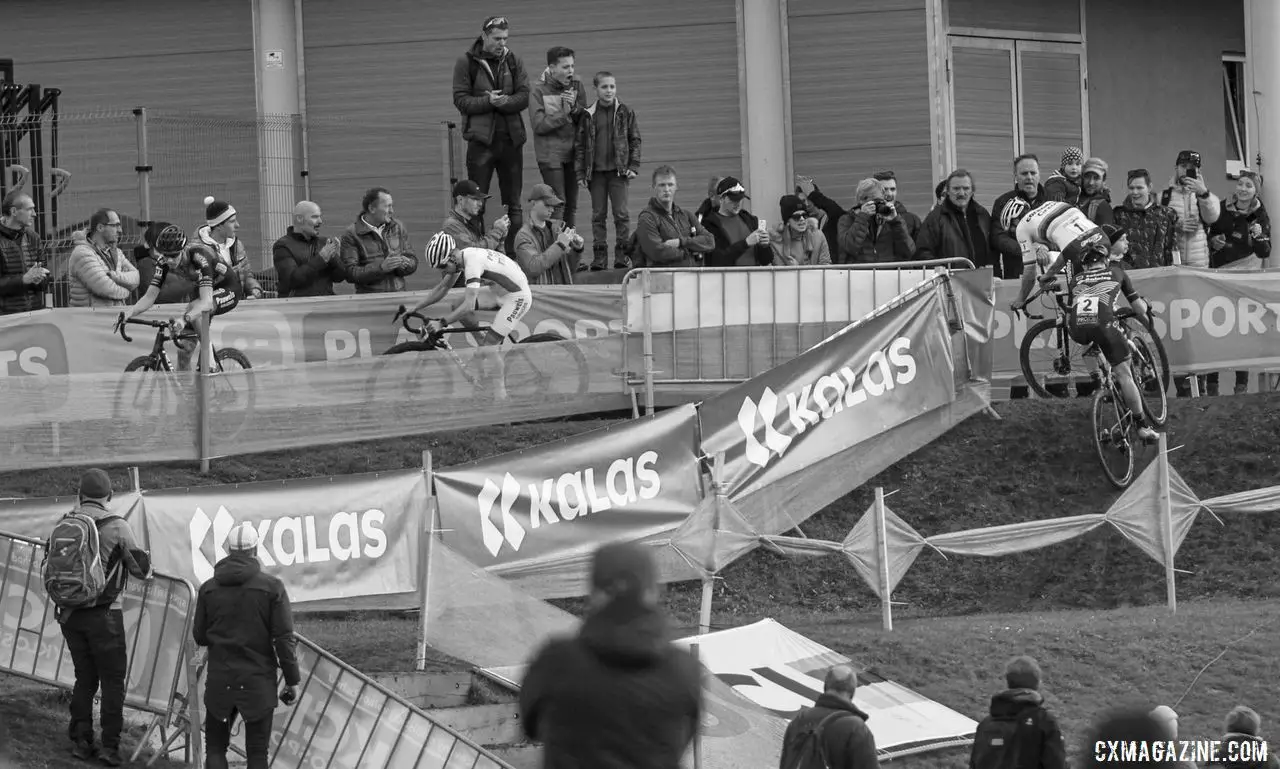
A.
pixel 1020 732
pixel 547 249
pixel 740 240
pixel 1063 185
pixel 1009 208
pixel 1095 200
pixel 822 208
pixel 666 234
pixel 1243 741
pixel 306 264
pixel 796 239
pixel 873 230
pixel 959 226
pixel 376 251
pixel 1152 229
pixel 100 274
pixel 889 180
pixel 1240 240
pixel 219 235
pixel 608 159
pixel 490 90
pixel 618 693
pixel 556 103
pixel 835 720
pixel 23 274
pixel 1196 207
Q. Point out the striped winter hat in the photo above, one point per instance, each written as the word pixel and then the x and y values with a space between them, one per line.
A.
pixel 217 211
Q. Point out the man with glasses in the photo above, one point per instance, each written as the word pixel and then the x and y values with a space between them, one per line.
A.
pixel 23 275
pixel 100 274
pixel 490 90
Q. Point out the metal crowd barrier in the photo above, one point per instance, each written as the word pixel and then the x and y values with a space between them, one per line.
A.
pixel 157 621
pixel 693 331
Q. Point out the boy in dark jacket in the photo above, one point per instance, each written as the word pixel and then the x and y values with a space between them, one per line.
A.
pixel 243 616
pixel 740 240
pixel 619 693
pixel 846 740
pixel 1020 733
pixel 608 158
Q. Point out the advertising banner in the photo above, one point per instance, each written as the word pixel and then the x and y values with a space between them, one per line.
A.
pixel 344 719
pixel 1207 319
pixel 861 382
pixel 781 671
pixel 279 332
pixel 351 541
pixel 36 517
pixel 156 626
pixel 536 515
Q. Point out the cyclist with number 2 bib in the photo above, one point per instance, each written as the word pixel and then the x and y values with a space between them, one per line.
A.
pixel 200 265
pixel 1094 282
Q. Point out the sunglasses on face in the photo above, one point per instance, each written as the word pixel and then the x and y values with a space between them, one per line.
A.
pixel 798 216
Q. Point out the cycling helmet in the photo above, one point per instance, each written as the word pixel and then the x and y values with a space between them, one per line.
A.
pixel 171 240
pixel 439 249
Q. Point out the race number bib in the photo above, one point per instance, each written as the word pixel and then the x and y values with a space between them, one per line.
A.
pixel 1086 308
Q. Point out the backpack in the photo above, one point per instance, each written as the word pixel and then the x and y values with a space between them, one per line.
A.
pixel 1167 195
pixel 74 575
pixel 807 746
pixel 995 735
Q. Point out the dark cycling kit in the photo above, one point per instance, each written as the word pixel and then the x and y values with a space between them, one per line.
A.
pixel 1093 290
pixel 202 267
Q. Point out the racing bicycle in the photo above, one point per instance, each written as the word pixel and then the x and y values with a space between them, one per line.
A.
pixel 550 371
pixel 143 404
pixel 1115 430
pixel 1053 363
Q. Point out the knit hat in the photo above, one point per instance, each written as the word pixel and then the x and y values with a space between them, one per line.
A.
pixel 1113 232
pixel 1072 155
pixel 243 537
pixel 1022 673
pixel 1244 720
pixel 1096 165
pixel 217 211
pixel 623 570
pixel 95 484
pixel 791 205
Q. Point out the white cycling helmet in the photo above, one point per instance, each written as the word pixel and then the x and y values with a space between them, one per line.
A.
pixel 439 249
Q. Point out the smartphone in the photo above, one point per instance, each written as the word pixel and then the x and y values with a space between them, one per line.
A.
pixel 1193 172
pixel 764 225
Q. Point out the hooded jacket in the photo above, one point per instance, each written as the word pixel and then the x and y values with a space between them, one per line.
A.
pixel 1241 251
pixel 848 741
pixel 626 141
pixel 240 280
pixel 364 249
pixel 654 226
pixel 300 270
pixel 243 616
pixel 19 251
pixel 619 695
pixel 474 75
pixel 1037 742
pixel 1152 230
pixel 555 124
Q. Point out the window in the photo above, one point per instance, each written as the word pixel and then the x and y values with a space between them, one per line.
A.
pixel 1234 101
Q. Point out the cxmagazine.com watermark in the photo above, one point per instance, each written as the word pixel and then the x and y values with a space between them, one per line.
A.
pixel 1200 752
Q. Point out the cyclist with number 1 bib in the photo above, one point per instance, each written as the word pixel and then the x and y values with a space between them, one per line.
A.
pixel 1094 282
pixel 200 265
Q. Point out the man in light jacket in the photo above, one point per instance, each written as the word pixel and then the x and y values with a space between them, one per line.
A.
pixel 1196 207
pixel 100 274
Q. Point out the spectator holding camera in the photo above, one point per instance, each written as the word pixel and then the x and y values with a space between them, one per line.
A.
pixel 873 230
pixel 796 239
pixel 1197 208
pixel 889 180
pixel 741 239
pixel 545 247
pixel 23 274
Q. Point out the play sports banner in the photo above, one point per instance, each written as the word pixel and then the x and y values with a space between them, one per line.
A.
pixel 535 515
pixel 279 332
pixel 36 517
pixel 865 380
pixel 1207 319
pixel 782 672
pixel 156 625
pixel 344 542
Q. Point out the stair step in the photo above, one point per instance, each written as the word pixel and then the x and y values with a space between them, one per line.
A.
pixel 428 689
pixel 525 756
pixel 485 724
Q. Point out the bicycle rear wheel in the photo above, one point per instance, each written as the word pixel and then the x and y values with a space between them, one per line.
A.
pixel 1052 362
pixel 1139 329
pixel 231 394
pixel 1151 385
pixel 1114 437
pixel 141 404
pixel 546 370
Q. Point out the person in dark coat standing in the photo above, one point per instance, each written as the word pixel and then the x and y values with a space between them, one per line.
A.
pixel 619 695
pixel 1020 733
pixel 846 740
pixel 959 226
pixel 243 617
pixel 306 264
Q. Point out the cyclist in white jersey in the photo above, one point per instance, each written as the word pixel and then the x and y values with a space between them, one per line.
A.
pixel 507 283
pixel 1049 228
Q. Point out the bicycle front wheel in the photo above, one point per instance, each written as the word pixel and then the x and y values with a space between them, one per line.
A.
pixel 1113 437
pixel 232 393
pixel 141 403
pixel 1052 362
pixel 1151 385
pixel 546 365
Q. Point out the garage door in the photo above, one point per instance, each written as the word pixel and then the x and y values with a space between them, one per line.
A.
pixel 860 96
pixel 196 55
pixel 379 86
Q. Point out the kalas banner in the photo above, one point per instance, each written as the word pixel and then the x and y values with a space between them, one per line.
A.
pixel 536 515
pixel 279 332
pixel 349 541
pixel 863 381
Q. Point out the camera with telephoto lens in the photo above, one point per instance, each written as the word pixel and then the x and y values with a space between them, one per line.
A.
pixel 884 209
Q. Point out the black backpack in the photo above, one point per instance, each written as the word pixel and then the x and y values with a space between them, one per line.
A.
pixel 807 746
pixel 995 737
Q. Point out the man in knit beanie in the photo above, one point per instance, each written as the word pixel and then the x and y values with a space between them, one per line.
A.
pixel 1064 184
pixel 1242 747
pixel 1020 733
pixel 1095 200
pixel 219 235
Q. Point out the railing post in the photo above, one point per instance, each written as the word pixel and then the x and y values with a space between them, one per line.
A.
pixel 646 308
pixel 204 446
pixel 143 168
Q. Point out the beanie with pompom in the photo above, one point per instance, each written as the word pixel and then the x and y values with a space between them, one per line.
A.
pixel 217 211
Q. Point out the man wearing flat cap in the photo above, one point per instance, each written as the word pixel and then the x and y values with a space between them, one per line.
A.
pixel 618 694
pixel 243 617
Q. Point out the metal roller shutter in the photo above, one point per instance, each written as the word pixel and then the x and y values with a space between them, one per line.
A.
pixel 985 125
pixel 1044 16
pixel 860 96
pixel 379 85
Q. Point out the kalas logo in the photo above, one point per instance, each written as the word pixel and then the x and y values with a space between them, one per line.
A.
pixel 818 402
pixel 293 539
pixel 563 499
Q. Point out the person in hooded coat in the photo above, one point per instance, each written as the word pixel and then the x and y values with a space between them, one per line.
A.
pixel 1020 733
pixel 619 694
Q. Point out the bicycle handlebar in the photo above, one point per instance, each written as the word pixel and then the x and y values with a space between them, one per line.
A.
pixel 121 323
pixel 404 316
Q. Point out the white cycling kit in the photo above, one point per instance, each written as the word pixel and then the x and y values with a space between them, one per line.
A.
pixel 506 280
pixel 1059 226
